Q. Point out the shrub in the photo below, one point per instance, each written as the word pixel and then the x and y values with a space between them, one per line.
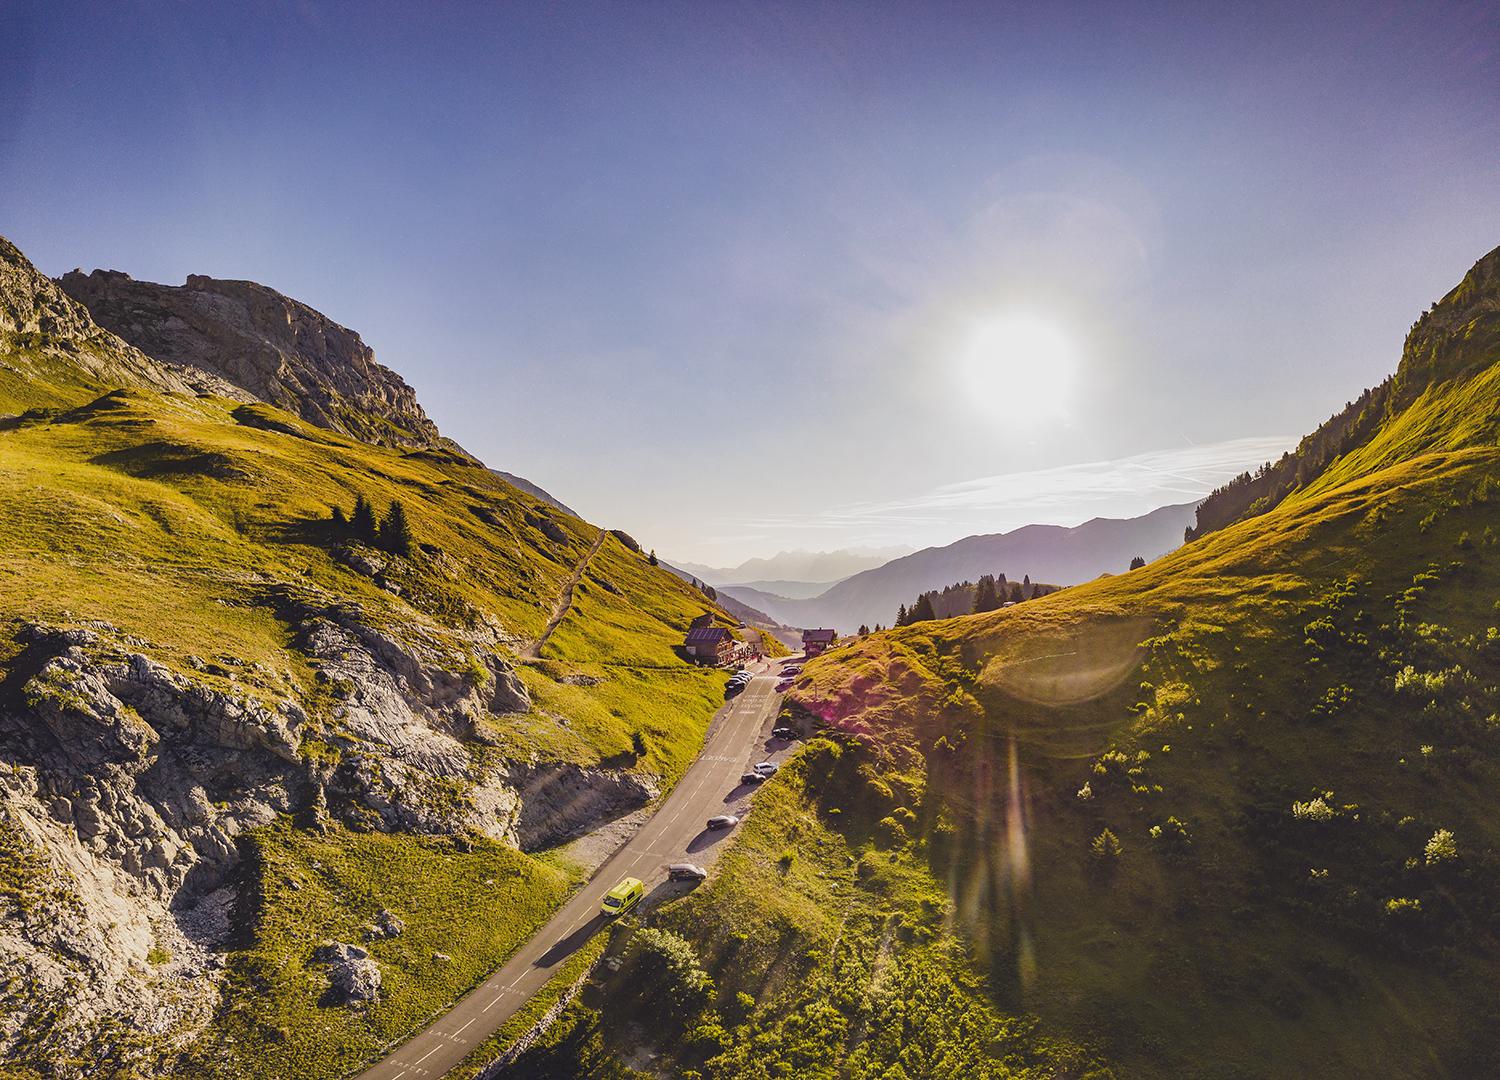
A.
pixel 1086 792
pixel 1441 848
pixel 785 859
pixel 666 959
pixel 1403 909
pixel 1316 809
pixel 1172 837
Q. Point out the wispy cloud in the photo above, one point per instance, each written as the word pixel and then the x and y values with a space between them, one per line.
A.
pixel 1065 495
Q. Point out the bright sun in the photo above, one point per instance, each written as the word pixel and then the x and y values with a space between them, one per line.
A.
pixel 1020 363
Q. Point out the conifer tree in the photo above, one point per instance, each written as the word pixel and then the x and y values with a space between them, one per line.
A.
pixel 901 616
pixel 1137 562
pixel 985 598
pixel 362 521
pixel 395 530
pixel 652 557
pixel 923 611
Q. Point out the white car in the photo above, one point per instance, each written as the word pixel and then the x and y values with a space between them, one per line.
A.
pixel 766 768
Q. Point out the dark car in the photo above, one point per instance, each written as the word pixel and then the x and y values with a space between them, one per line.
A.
pixel 686 871
pixel 784 733
pixel 752 778
pixel 723 821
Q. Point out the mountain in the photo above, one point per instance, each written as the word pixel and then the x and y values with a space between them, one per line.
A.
pixel 55 353
pixel 277 348
pixel 1049 553
pixel 803 566
pixel 1220 816
pixel 236 724
pixel 534 491
pixel 788 590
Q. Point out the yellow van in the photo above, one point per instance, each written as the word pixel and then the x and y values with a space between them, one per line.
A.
pixel 623 896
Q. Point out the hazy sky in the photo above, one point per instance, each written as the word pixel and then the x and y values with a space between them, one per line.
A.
pixel 741 277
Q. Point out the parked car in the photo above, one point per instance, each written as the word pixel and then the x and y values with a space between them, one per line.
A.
pixel 723 821
pixel 784 733
pixel 783 686
pixel 752 778
pixel 686 871
pixel 624 896
pixel 767 768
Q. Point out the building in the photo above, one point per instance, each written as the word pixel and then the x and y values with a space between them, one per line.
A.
pixel 817 641
pixel 710 644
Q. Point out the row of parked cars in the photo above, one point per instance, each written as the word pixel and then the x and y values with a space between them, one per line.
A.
pixel 629 891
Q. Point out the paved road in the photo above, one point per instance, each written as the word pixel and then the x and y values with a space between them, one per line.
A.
pixel 737 738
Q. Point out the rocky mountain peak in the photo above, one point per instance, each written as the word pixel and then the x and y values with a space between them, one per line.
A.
pixel 273 346
pixel 58 351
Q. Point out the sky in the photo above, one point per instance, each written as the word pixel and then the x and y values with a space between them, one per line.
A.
pixel 745 277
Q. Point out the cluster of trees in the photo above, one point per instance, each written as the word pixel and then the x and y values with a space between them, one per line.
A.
pixel 967 597
pixel 391 533
pixel 1255 493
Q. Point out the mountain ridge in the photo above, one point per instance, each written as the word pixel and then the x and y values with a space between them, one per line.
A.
pixel 1053 553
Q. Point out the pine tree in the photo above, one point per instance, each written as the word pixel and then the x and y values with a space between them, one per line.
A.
pixel 985 598
pixel 362 521
pixel 1015 592
pixel 1137 562
pixel 652 557
pixel 863 630
pixel 395 530
pixel 901 617
pixel 923 611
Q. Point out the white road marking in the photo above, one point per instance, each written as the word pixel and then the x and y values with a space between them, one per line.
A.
pixel 427 1055
pixel 465 1025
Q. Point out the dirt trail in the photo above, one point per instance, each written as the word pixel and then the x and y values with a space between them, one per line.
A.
pixel 564 601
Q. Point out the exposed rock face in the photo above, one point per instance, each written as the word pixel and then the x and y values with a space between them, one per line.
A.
pixel 125 786
pixel 51 342
pixel 353 977
pixel 272 346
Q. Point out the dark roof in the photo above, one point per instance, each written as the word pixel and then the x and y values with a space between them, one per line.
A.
pixel 820 635
pixel 706 635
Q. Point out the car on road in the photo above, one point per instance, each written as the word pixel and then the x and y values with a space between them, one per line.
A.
pixel 624 896
pixel 783 686
pixel 752 778
pixel 767 769
pixel 723 821
pixel 784 733
pixel 790 672
pixel 686 871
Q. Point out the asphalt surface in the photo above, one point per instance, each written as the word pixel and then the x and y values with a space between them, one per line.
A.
pixel 737 738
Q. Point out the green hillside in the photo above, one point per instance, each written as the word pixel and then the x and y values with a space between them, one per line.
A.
pixel 1228 815
pixel 331 728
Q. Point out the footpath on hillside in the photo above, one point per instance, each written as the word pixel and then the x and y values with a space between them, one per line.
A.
pixel 564 601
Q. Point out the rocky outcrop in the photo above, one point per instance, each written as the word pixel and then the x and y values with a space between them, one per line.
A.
pixel 562 801
pixel 276 348
pixel 353 977
pixel 49 341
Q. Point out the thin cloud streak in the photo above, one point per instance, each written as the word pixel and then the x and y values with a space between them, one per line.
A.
pixel 1065 495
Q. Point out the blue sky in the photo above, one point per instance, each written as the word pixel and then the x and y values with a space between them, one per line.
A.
pixel 726 275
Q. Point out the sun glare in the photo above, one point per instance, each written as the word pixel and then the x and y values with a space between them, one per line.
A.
pixel 1019 359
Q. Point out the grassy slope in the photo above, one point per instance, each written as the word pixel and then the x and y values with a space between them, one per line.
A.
pixel 1273 670
pixel 169 517
pixel 1341 647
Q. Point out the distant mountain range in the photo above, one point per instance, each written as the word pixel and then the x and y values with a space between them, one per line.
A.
pixel 798 566
pixel 1051 553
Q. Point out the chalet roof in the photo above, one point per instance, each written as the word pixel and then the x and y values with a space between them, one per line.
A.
pixel 825 636
pixel 706 635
